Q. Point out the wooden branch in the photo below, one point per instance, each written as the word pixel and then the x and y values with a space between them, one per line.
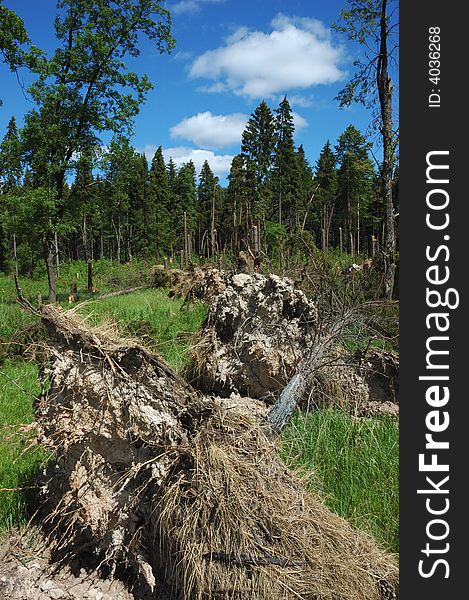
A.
pixel 123 292
pixel 279 415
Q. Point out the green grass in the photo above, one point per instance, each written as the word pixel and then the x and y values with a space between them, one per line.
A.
pixel 154 320
pixel 354 464
pixel 18 461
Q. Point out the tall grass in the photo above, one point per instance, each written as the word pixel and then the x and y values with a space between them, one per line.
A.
pixel 354 464
pixel 154 320
pixel 19 460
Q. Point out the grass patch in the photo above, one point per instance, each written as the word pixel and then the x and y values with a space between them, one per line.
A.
pixel 354 464
pixel 154 320
pixel 18 386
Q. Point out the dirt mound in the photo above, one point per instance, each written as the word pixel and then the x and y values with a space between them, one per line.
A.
pixel 26 574
pixel 360 383
pixel 189 496
pixel 255 333
pixel 198 283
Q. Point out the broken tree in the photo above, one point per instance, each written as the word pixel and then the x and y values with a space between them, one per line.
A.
pixel 191 497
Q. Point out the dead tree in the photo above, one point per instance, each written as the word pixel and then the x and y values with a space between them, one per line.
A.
pixel 281 412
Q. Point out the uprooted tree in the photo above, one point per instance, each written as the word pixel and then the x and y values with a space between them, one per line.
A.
pixel 187 494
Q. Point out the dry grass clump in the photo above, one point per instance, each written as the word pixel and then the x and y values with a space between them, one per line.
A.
pixel 198 283
pixel 236 524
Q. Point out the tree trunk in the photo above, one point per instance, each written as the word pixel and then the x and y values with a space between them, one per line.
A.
pixel 281 412
pixel 15 256
pixel 49 251
pixel 90 277
pixel 385 91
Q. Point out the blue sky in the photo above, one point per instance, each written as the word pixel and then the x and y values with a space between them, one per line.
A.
pixel 229 55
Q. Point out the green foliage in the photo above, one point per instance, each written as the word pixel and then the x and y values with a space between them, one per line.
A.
pixel 286 173
pixel 258 141
pixel 354 464
pixel 16 49
pixel 276 237
pixel 360 22
pixel 159 211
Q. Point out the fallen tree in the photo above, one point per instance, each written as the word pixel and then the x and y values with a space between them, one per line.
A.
pixel 191 497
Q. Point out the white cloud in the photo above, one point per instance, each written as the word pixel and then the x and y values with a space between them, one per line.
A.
pixel 190 6
pixel 211 131
pixel 181 56
pixel 299 121
pixel 220 164
pixel 297 54
pixel 299 100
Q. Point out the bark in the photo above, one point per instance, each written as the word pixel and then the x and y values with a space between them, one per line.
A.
pixel 385 91
pixel 281 412
pixel 49 251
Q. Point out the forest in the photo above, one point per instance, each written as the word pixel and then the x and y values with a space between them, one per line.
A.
pixel 91 200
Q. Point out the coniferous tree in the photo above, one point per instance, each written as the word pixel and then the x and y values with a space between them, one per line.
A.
pixel 355 185
pixel 159 226
pixel 306 187
pixel 186 213
pixel 138 207
pixel 235 201
pixel 208 207
pixel 258 144
pixel 373 25
pixel 326 181
pixel 11 173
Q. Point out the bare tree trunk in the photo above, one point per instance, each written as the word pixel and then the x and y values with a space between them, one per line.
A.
pixel 385 91
pixel 90 277
pixel 15 256
pixel 49 251
pixel 186 245
pixel 57 255
pixel 281 412
pixel 212 226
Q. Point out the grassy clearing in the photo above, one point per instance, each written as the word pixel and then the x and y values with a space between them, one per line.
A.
pixel 154 320
pixel 354 464
pixel 18 461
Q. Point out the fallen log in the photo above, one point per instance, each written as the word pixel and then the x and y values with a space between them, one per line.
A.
pixel 151 476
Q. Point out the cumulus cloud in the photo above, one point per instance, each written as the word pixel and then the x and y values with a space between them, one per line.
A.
pixel 297 54
pixel 220 164
pixel 299 121
pixel 191 6
pixel 299 100
pixel 211 131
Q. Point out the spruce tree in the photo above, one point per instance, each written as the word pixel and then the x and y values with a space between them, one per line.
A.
pixel 326 181
pixel 159 226
pixel 207 194
pixel 355 185
pixel 138 206
pixel 11 173
pixel 186 213
pixel 235 202
pixel 305 174
pixel 286 176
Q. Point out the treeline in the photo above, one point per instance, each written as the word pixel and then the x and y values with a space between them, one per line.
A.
pixel 118 206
